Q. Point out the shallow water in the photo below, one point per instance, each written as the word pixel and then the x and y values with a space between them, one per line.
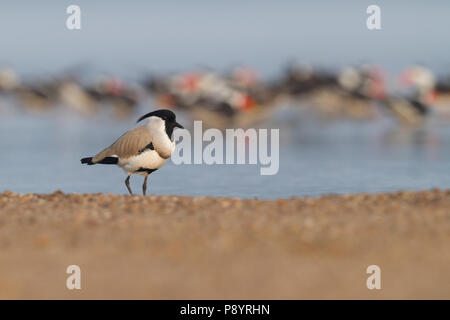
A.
pixel 41 153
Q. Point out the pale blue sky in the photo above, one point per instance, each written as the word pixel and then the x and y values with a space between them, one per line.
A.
pixel 129 37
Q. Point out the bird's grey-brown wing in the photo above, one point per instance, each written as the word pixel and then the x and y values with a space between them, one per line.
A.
pixel 129 144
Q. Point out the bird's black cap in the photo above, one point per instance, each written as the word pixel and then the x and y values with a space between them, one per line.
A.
pixel 164 114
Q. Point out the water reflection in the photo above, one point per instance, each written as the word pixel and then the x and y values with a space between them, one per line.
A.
pixel 41 154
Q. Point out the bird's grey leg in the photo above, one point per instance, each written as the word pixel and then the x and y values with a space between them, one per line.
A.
pixel 127 183
pixel 144 186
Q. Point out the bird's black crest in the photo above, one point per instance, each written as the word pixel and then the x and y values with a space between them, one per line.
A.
pixel 164 114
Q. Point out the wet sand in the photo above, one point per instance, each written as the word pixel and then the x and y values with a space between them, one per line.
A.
pixel 173 247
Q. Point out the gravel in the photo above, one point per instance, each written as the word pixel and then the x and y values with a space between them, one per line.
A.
pixel 177 247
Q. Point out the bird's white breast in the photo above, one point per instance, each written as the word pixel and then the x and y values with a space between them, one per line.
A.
pixel 149 159
pixel 160 140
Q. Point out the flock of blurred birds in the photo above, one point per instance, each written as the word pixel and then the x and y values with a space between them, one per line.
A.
pixel 239 98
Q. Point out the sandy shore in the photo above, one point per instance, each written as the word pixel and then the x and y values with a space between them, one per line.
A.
pixel 168 247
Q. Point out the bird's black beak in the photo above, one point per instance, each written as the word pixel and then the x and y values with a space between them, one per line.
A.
pixel 177 125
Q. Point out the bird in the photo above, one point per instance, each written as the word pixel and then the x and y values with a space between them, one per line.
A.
pixel 415 106
pixel 141 150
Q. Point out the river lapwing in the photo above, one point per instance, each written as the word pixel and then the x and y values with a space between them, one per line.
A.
pixel 141 150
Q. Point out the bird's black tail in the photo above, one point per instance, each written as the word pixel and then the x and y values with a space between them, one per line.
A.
pixel 87 161
pixel 106 160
